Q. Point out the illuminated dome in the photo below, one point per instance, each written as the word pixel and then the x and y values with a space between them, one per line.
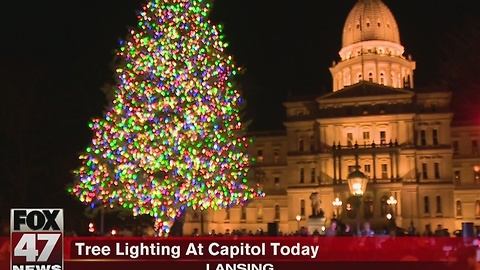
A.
pixel 370 20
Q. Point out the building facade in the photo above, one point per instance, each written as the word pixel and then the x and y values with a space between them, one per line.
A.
pixel 421 167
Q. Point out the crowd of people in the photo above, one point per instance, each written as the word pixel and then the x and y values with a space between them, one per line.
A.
pixel 336 228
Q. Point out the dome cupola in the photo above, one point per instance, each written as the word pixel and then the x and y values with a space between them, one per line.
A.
pixel 370 20
pixel 371 49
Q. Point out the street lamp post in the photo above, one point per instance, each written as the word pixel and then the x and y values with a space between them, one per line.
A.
pixel 298 217
pixel 392 202
pixel 337 203
pixel 357 183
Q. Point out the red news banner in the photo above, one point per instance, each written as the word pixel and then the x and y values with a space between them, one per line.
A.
pixel 265 253
pixel 269 253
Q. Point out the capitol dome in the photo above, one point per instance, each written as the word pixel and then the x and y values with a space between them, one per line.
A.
pixel 370 20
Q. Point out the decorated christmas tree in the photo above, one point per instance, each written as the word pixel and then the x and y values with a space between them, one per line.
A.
pixel 173 138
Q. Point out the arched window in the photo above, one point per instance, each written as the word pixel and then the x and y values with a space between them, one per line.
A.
pixel 382 78
pixel 243 216
pixel 439 205
pixel 384 206
pixel 370 77
pixel 426 205
pixel 277 212
pixel 259 213
pixel 477 208
pixel 227 214
pixel 359 77
pixel 312 143
pixel 368 207
pixel 302 207
pixel 301 144
pixel 459 208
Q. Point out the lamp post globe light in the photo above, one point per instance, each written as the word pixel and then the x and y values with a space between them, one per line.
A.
pixel 298 217
pixel 337 203
pixel 357 183
pixel 392 202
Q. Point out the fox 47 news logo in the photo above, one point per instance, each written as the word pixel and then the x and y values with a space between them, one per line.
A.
pixel 36 239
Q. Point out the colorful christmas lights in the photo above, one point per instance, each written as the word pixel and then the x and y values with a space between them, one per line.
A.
pixel 173 137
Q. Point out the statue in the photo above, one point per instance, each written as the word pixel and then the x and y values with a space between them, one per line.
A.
pixel 316 205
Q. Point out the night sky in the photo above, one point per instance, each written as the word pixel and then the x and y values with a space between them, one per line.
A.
pixel 55 59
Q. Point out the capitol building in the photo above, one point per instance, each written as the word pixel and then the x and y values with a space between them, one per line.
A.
pixel 421 167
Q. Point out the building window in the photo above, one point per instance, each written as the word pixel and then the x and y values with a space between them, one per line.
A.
pixel 367 170
pixel 474 147
pixel 227 214
pixel 260 177
pixel 301 144
pixel 455 147
pixel 424 171
pixel 383 137
pixel 437 170
pixel 351 168
pixel 435 137
pixel 276 181
pixel 423 138
pixel 382 78
pixel 312 175
pixel 359 77
pixel 426 205
pixel 459 208
pixel 370 77
pixel 439 205
pixel 302 175
pixel 458 179
pixel 477 208
pixel 384 171
pixel 302 208
pixel 259 213
pixel 368 207
pixel 276 156
pixel 243 216
pixel 196 216
pixel 384 206
pixel 366 137
pixel 350 139
pixel 260 155
pixel 277 212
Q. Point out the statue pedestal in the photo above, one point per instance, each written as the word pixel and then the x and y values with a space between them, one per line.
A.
pixel 316 223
